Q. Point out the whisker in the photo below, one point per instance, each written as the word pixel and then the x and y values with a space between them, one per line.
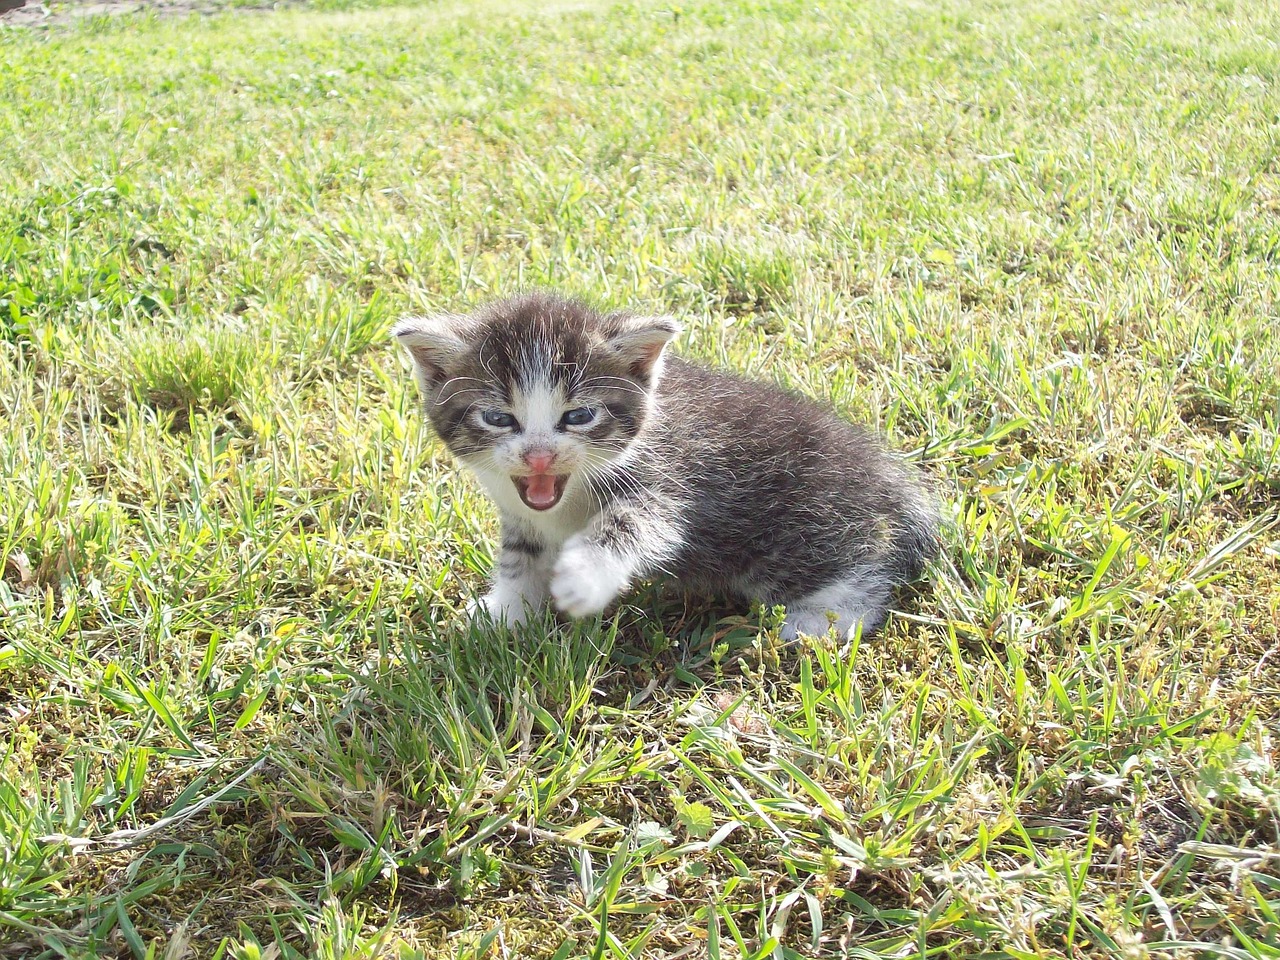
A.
pixel 440 401
pixel 625 386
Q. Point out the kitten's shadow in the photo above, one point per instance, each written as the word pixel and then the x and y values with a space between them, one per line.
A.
pixel 699 640
pixel 679 638
pixel 662 636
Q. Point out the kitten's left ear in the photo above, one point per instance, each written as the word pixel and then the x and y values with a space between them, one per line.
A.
pixel 640 342
pixel 434 344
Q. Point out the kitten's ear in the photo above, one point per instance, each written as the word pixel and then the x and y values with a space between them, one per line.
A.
pixel 433 342
pixel 640 341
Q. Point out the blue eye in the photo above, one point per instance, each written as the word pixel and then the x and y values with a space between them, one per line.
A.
pixel 578 417
pixel 496 418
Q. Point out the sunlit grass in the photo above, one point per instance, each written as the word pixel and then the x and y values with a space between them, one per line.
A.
pixel 1035 244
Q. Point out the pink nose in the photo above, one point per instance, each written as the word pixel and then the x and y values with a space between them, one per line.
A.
pixel 539 461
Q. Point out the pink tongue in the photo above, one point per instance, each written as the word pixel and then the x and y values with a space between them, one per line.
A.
pixel 541 489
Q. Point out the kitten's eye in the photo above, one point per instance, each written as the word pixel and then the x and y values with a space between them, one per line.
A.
pixel 578 417
pixel 497 418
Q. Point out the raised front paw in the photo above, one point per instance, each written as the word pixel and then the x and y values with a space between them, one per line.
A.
pixel 586 580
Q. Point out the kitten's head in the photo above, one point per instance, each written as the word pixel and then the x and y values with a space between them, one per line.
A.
pixel 536 388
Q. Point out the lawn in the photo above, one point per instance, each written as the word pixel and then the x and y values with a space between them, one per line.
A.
pixel 1035 243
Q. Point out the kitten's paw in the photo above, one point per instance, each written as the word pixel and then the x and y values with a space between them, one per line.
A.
pixel 810 623
pixel 499 608
pixel 586 580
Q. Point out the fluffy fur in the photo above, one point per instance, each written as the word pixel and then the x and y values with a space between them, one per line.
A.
pixel 729 485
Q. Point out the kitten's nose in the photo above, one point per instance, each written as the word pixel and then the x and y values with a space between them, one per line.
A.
pixel 539 461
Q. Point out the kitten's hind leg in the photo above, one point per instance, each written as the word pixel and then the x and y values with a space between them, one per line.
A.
pixel 848 602
pixel 520 578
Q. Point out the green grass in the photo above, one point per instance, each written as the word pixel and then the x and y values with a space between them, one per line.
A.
pixel 1035 243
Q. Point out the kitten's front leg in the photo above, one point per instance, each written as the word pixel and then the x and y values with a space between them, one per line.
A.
pixel 520 578
pixel 626 541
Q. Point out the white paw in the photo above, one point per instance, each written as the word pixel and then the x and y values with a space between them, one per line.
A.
pixel 500 607
pixel 586 580
pixel 810 623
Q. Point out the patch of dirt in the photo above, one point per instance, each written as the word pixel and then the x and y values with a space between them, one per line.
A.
pixel 1163 825
pixel 1209 416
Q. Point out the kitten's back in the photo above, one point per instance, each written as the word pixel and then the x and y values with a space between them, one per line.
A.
pixel 782 495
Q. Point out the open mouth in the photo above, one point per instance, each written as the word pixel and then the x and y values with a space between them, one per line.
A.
pixel 542 491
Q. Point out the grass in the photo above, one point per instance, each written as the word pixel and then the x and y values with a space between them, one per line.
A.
pixel 1034 243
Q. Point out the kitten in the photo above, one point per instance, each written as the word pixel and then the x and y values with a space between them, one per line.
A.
pixel 610 463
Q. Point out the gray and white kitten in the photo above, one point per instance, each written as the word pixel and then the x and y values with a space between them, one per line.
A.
pixel 611 465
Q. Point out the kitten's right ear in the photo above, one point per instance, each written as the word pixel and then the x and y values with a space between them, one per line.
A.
pixel 641 340
pixel 434 344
